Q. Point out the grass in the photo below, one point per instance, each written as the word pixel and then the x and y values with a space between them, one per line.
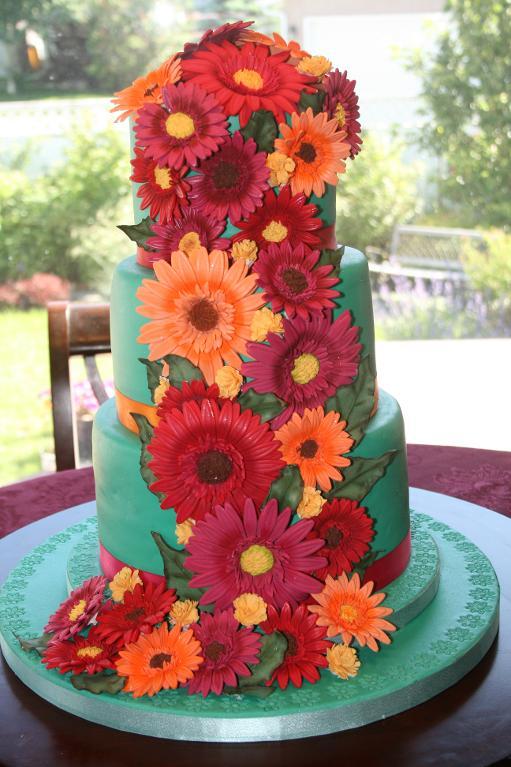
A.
pixel 25 412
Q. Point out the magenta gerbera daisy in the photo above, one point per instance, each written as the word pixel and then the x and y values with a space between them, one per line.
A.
pixel 232 181
pixel 292 280
pixel 122 622
pixel 193 391
pixel 193 230
pixel 80 655
pixel 78 610
pixel 227 649
pixel 258 552
pixel 163 190
pixel 347 530
pixel 307 364
pixel 306 645
pixel 209 453
pixel 188 127
pixel 281 218
pixel 233 32
pixel 247 79
pixel 341 103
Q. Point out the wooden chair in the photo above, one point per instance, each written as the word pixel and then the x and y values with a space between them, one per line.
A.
pixel 74 329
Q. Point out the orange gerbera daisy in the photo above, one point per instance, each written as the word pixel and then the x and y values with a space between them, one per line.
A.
pixel 200 308
pixel 276 43
pixel 351 610
pixel 159 660
pixel 317 148
pixel 315 442
pixel 146 89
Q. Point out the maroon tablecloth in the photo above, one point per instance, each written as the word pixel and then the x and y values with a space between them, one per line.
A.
pixel 480 476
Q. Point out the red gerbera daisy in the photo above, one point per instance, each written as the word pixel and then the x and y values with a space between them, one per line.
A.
pixel 307 364
pixel 281 218
pixel 347 531
pixel 232 32
pixel 193 391
pixel 232 181
pixel 209 453
pixel 341 102
pixel 189 127
pixel 80 655
pixel 306 645
pixel 163 190
pixel 193 230
pixel 78 609
pixel 122 622
pixel 257 553
pixel 247 79
pixel 292 280
pixel 226 648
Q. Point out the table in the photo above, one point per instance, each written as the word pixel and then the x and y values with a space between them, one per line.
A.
pixel 469 724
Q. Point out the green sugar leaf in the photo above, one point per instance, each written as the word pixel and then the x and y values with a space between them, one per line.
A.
pixel 360 476
pixel 355 401
pixel 267 406
pixel 314 100
pixel 263 129
pixel 271 655
pixel 140 232
pixel 98 683
pixel 39 644
pixel 176 574
pixel 154 370
pixel 181 370
pixel 287 488
pixel 332 257
pixel 145 433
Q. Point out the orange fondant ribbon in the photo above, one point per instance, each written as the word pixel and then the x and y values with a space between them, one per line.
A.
pixel 126 406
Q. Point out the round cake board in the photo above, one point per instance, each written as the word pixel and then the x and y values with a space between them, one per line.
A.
pixel 427 655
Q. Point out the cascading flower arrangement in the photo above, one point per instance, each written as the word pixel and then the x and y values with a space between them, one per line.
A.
pixel 260 387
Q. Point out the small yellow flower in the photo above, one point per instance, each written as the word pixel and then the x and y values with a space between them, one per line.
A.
pixel 125 580
pixel 184 612
pixel 246 249
pixel 281 167
pixel 184 531
pixel 311 504
pixel 342 660
pixel 265 321
pixel 229 381
pixel 250 609
pixel 317 66
pixel 160 390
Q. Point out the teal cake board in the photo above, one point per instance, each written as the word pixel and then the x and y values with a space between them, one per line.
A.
pixel 455 627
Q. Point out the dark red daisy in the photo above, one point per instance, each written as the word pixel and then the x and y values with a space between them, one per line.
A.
pixel 307 364
pixel 193 230
pixel 122 622
pixel 281 218
pixel 80 655
pixel 292 280
pixel 163 190
pixel 231 32
pixel 78 610
pixel 247 79
pixel 193 391
pixel 347 530
pixel 188 127
pixel 212 452
pixel 341 102
pixel 232 181
pixel 227 649
pixel 306 645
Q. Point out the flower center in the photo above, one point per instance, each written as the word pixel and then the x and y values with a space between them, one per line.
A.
pixel 307 153
pixel 159 659
pixel 333 537
pixel 189 242
pixel 77 610
pixel 89 652
pixel 226 175
pixel 309 448
pixel 149 91
pixel 275 232
pixel 179 125
pixel 305 368
pixel 295 280
pixel 203 315
pixel 348 613
pixel 135 614
pixel 250 78
pixel 214 650
pixel 162 177
pixel 256 560
pixel 340 114
pixel 214 467
pixel 292 644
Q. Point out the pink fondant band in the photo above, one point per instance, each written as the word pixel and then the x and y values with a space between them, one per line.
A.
pixel 382 572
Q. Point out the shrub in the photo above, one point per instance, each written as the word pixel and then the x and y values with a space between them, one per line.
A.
pixel 488 267
pixel 377 192
pixel 34 291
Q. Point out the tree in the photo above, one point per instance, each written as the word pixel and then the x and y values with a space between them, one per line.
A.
pixel 467 112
